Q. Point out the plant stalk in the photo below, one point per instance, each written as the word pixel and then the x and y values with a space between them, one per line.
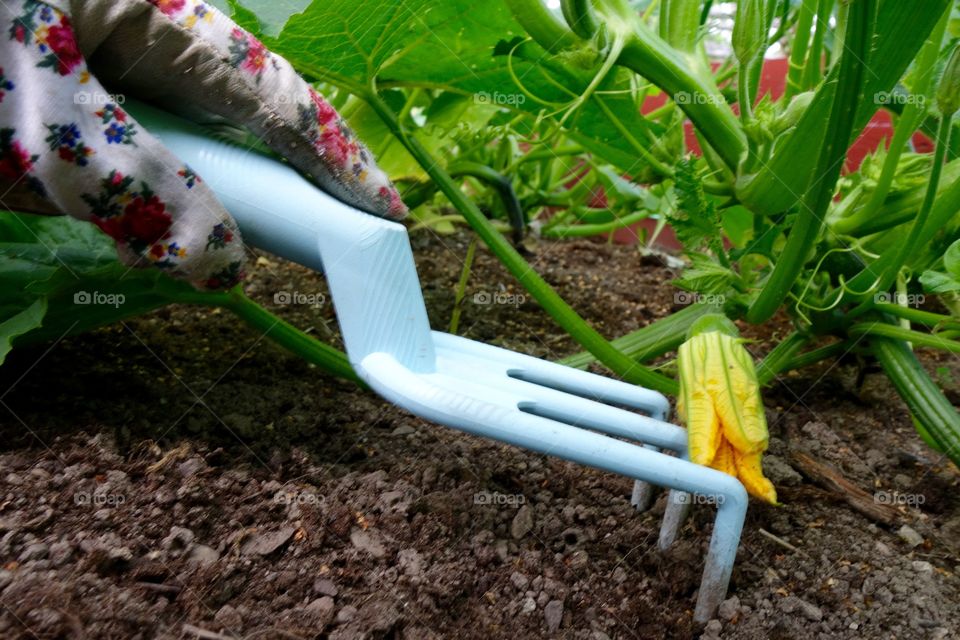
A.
pixel 781 355
pixel 654 340
pixel 817 197
pixel 910 335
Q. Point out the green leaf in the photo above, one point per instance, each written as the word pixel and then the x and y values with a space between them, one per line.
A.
pixel 938 282
pixel 951 260
pixel 421 42
pixel 705 276
pixel 619 189
pixel 19 324
pixel 453 46
pixel 268 16
pixel 244 18
pixel 738 225
pixel 696 221
pixel 72 269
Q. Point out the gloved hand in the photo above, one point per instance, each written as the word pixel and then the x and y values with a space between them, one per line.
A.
pixel 68 146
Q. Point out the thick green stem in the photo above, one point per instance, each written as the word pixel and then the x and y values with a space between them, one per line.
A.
pixel 899 333
pixel 811 71
pixel 745 99
pixel 695 93
pixel 908 122
pixel 936 415
pixel 679 23
pixel 801 43
pixel 903 250
pixel 580 17
pixel 927 318
pixel 654 340
pixel 556 306
pixel 586 230
pixel 781 355
pixel 542 25
pixel 816 355
pixel 817 197
pixel 681 75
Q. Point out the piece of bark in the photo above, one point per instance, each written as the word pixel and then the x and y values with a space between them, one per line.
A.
pixel 831 479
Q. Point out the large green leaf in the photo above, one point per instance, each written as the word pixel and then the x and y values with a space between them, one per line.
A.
pixel 19 324
pixel 456 46
pixel 266 17
pixel 66 272
pixel 421 42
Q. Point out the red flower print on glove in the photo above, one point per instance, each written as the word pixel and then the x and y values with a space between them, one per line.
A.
pixel 16 162
pixel 142 221
pixel 326 114
pixel 256 56
pixel 52 33
pixel 394 203
pixel 248 53
pixel 333 144
pixel 168 7
pixel 146 219
pixel 62 42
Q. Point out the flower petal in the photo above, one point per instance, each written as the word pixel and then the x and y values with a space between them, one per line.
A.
pixel 695 406
pixel 750 473
pixel 724 460
pixel 736 394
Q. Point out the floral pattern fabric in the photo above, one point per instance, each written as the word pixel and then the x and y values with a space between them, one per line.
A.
pixel 64 138
pixel 50 32
pixel 337 160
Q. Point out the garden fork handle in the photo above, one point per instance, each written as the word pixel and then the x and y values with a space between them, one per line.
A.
pixel 367 260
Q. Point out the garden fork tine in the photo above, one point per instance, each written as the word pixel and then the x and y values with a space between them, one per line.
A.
pixel 574 381
pixel 477 388
pixel 654 405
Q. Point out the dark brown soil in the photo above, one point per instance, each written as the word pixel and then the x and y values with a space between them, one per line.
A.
pixel 178 476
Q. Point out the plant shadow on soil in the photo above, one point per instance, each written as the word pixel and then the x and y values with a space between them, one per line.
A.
pixel 178 473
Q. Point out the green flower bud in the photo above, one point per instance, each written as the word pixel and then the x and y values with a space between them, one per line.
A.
pixel 948 93
pixel 750 30
pixel 791 115
pixel 713 322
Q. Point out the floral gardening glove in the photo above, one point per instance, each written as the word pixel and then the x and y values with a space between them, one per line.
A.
pixel 68 146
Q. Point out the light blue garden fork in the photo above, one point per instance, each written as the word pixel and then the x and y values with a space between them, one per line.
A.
pixel 477 388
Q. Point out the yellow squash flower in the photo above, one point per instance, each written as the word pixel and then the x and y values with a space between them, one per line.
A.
pixel 721 405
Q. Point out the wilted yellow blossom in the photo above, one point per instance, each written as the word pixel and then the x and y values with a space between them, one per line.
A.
pixel 721 405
